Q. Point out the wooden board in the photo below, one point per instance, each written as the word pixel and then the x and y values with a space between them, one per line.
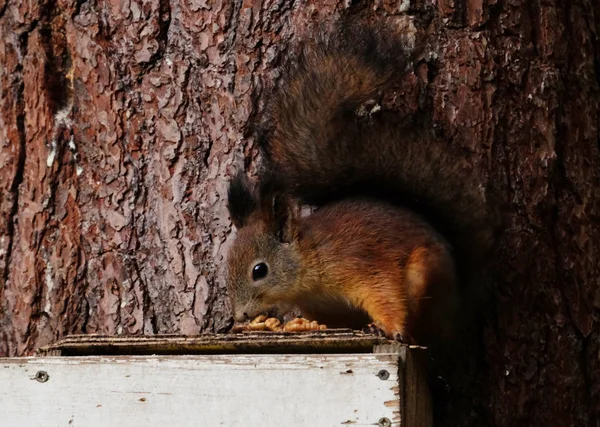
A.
pixel 218 390
pixel 327 341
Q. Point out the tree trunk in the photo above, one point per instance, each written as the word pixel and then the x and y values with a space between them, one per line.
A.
pixel 120 123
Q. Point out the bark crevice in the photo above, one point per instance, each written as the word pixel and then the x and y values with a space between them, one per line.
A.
pixel 21 157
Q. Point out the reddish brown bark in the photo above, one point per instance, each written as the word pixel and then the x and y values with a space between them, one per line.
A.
pixel 120 123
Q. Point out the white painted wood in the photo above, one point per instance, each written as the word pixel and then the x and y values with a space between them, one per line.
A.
pixel 182 391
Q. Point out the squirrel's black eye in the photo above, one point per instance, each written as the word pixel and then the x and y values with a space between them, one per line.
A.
pixel 259 271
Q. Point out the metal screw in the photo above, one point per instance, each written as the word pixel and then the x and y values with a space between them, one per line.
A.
pixel 384 422
pixel 41 376
pixel 383 375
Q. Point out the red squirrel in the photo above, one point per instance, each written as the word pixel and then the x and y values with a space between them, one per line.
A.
pixel 400 221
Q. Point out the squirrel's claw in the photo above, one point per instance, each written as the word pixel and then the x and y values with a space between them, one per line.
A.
pixel 377 329
pixel 374 329
pixel 404 339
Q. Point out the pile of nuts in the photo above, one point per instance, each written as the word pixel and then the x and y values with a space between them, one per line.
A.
pixel 266 323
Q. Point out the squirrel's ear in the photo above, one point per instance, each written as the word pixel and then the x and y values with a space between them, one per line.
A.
pixel 277 208
pixel 284 218
pixel 241 201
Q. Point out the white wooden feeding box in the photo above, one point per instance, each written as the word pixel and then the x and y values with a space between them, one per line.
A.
pixel 325 378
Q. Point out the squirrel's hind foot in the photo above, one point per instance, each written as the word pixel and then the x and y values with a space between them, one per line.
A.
pixel 377 329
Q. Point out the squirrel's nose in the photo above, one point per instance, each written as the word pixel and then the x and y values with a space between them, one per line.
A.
pixel 240 316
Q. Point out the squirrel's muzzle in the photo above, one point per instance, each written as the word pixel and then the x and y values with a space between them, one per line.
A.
pixel 240 315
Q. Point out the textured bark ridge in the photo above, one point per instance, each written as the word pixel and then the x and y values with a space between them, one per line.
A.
pixel 120 123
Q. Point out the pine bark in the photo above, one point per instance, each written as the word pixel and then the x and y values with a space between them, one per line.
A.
pixel 120 123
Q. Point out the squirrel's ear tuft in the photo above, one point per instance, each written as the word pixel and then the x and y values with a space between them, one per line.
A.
pixel 240 200
pixel 277 207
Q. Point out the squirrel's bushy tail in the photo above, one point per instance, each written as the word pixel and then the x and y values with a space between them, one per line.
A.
pixel 314 135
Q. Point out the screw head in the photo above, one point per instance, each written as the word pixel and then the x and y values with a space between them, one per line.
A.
pixel 41 376
pixel 383 375
pixel 384 422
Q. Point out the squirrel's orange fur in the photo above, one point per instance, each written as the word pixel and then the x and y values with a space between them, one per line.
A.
pixel 399 220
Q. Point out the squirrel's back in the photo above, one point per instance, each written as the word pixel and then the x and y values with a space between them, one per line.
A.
pixel 320 137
